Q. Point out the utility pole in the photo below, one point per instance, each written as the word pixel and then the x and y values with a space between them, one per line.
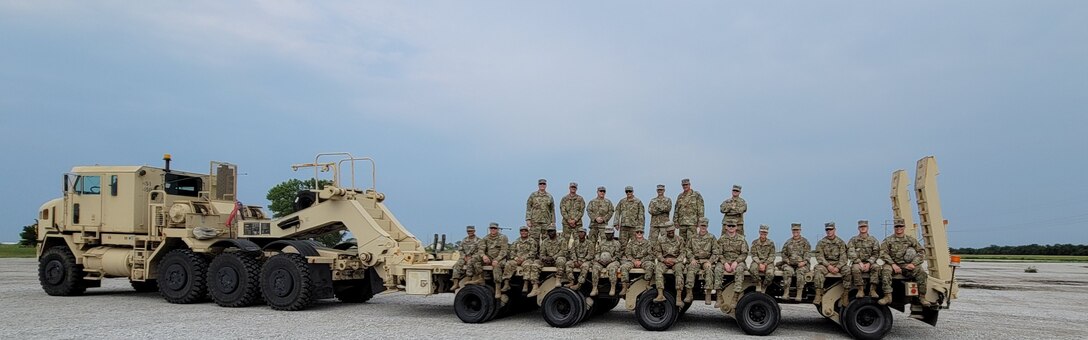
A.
pixel 886 224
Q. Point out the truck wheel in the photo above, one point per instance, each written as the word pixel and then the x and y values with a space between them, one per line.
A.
pixel 59 274
pixel 866 319
pixel 286 282
pixel 656 316
pixel 146 286
pixel 757 314
pixel 353 291
pixel 234 280
pixel 563 307
pixel 475 304
pixel 181 276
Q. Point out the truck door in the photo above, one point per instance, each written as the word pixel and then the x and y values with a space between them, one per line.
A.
pixel 86 201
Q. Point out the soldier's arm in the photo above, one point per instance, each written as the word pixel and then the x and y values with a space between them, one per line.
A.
pixel 700 206
pixel 675 217
pixel 917 261
pixel 608 212
pixel 743 252
pixel 529 208
pixel 551 209
pixel 820 258
pixel 741 206
pixel 725 208
pixel 843 258
pixel 886 252
pixel 715 252
pixel 874 251
pixel 641 215
pixel 504 248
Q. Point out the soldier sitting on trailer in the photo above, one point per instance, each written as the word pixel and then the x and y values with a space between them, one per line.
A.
pixel 553 253
pixel 467 250
pixel 639 253
pixel 607 261
pixel 703 250
pixel 903 255
pixel 580 255
pixel 795 253
pixel 523 254
pixel 733 251
pixel 864 249
pixel 494 248
pixel 830 259
pixel 671 254
pixel 763 253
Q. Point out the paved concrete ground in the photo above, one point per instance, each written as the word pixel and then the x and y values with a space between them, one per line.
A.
pixel 999 301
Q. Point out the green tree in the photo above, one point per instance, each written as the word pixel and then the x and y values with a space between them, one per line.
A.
pixel 283 196
pixel 29 236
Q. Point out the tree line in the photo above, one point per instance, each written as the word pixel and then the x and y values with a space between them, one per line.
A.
pixel 1031 249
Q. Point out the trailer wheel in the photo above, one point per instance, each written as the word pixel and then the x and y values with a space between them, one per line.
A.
pixel 234 280
pixel 286 282
pixel 656 316
pixel 59 274
pixel 475 304
pixel 757 314
pixel 146 286
pixel 866 319
pixel 181 276
pixel 563 307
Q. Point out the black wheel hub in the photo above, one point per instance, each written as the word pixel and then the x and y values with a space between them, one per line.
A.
pixel 869 319
pixel 757 315
pixel 657 310
pixel 176 276
pixel 473 303
pixel 282 283
pixel 54 272
pixel 563 307
pixel 228 279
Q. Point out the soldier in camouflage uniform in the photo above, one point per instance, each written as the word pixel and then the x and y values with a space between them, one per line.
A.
pixel 763 253
pixel 553 254
pixel 639 253
pixel 494 249
pixel 467 251
pixel 539 209
pixel 659 208
pixel 671 253
pixel 795 256
pixel 571 208
pixel 688 210
pixel 830 259
pixel 864 249
pixel 703 250
pixel 600 211
pixel 902 254
pixel 733 252
pixel 523 255
pixel 607 262
pixel 630 215
pixel 580 256
pixel 733 210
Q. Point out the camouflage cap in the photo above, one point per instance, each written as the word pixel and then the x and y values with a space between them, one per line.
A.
pixel 541 181
pixel 494 225
pixel 764 228
pixel 736 187
pixel 660 187
pixel 609 230
pixel 863 223
pixel 795 226
pixel 551 227
pixel 573 184
pixel 629 188
pixel 900 222
pixel 829 226
pixel 669 226
pixel 470 228
pixel 523 228
pixel 703 221
pixel 600 188
pixel 685 181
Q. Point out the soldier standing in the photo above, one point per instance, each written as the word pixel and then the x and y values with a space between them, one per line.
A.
pixel 631 215
pixel 571 207
pixel 467 250
pixel 659 208
pixel 864 250
pixel 523 254
pixel 539 209
pixel 763 253
pixel 580 255
pixel 638 254
pixel 795 253
pixel 733 209
pixel 671 254
pixel 830 259
pixel 607 262
pixel 733 250
pixel 703 251
pixel 553 254
pixel 689 209
pixel 495 248
pixel 902 254
pixel 600 211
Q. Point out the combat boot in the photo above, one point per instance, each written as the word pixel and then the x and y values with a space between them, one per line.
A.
pixel 505 285
pixel 861 291
pixel 524 287
pixel 785 291
pixel 872 290
pixel 594 291
pixel 536 289
pixel 844 299
pixel 800 290
pixel 660 295
pixel 736 297
pixel 922 301
pixel 886 299
pixel 819 296
pixel 706 297
pixel 689 296
pixel 623 288
pixel 611 287
pixel 456 284
pixel 498 293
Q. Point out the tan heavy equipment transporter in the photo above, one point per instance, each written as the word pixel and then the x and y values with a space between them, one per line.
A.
pixel 185 235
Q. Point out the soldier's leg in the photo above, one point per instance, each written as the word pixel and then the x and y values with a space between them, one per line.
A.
pixel 650 269
pixel 757 276
pixel 787 279
pixel 719 281
pixel 738 278
pixel 802 279
pixel 611 272
pixel 625 270
pixel 819 276
pixel 688 275
pixel 886 282
pixel 596 279
pixel 457 269
pixel 679 269
pixel 560 269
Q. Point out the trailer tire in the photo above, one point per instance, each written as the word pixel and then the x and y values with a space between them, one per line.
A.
pixel 234 280
pixel 286 283
pixel 656 316
pixel 563 307
pixel 146 286
pixel 181 276
pixel 866 319
pixel 59 274
pixel 475 304
pixel 758 314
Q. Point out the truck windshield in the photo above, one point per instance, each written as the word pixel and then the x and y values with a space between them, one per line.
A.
pixel 183 185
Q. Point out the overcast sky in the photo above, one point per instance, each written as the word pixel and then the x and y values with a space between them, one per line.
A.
pixel 809 106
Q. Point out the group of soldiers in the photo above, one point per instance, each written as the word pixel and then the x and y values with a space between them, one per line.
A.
pixel 681 244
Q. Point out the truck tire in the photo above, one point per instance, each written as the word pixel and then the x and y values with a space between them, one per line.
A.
pixel 146 286
pixel 563 307
pixel 865 319
pixel 59 274
pixel 758 314
pixel 234 280
pixel 353 291
pixel 181 276
pixel 475 304
pixel 286 283
pixel 656 316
